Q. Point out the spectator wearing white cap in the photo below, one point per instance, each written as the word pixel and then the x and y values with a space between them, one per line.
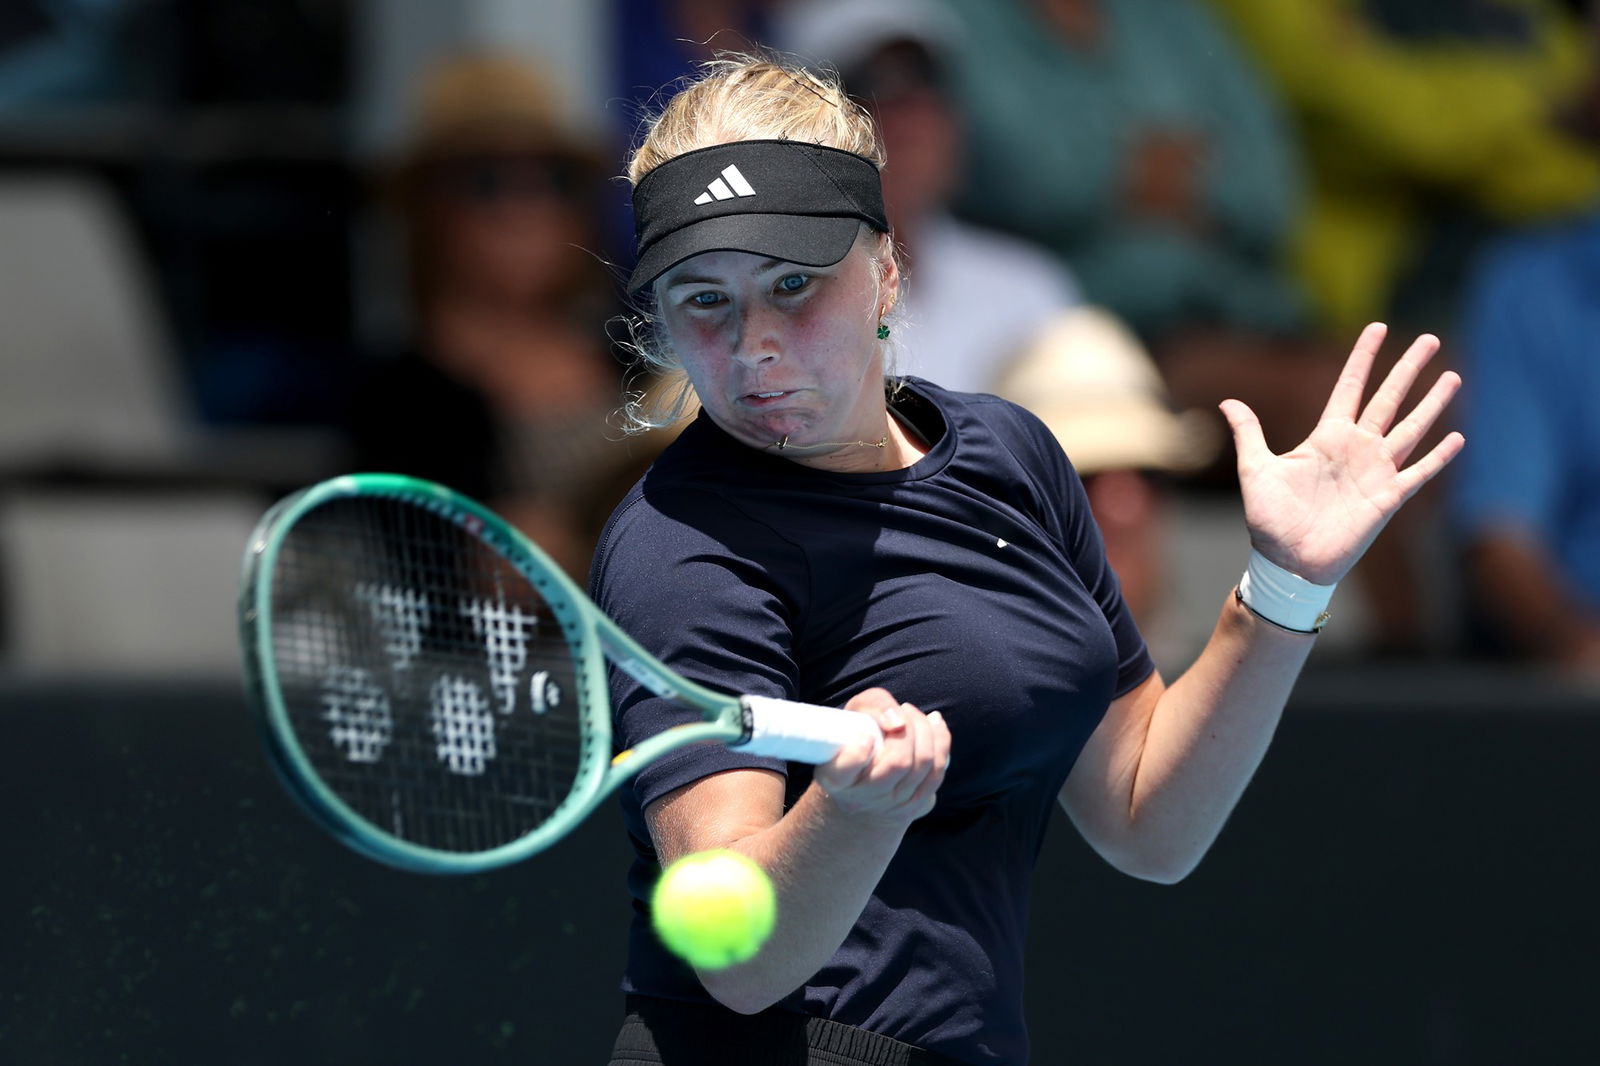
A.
pixel 974 295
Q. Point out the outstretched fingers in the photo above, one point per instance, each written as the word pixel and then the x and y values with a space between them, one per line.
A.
pixel 1397 384
pixel 1345 400
pixel 1404 437
pixel 1423 470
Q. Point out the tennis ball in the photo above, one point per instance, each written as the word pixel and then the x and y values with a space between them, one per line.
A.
pixel 714 908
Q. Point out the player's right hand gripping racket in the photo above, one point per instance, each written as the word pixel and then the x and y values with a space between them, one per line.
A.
pixel 433 687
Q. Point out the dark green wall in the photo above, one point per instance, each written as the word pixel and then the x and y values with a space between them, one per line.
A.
pixel 1411 879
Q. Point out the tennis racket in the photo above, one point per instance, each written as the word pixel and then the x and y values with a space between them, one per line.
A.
pixel 433 687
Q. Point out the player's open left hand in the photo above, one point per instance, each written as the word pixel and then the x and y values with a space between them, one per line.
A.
pixel 1314 510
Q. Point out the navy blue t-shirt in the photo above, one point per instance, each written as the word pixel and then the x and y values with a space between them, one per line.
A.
pixel 973 583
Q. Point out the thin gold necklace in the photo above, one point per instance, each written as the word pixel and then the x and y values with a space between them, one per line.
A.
pixel 882 442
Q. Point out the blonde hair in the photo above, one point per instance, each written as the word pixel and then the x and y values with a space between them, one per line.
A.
pixel 735 97
pixel 739 97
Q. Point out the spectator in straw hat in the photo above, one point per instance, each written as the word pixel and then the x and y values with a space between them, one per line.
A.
pixel 506 383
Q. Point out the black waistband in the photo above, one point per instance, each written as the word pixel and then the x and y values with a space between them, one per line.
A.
pixel 660 1032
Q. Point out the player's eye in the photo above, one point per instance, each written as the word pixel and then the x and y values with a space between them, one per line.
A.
pixel 793 282
pixel 705 299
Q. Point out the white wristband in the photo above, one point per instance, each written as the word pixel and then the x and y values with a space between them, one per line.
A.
pixel 1286 600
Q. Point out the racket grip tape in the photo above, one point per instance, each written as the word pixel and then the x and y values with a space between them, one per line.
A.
pixel 802 732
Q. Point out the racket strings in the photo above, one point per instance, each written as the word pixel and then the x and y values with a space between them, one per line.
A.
pixel 425 679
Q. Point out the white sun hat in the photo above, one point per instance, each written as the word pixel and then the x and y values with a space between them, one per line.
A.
pixel 1093 384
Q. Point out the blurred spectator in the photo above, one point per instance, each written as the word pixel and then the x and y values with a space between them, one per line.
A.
pixel 974 295
pixel 1133 140
pixel 506 390
pixel 1423 124
pixel 1088 377
pixel 1525 495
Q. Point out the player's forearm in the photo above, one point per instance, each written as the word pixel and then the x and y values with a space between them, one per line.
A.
pixel 824 864
pixel 1207 735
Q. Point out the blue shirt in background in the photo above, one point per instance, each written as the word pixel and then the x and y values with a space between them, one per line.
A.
pixel 1531 399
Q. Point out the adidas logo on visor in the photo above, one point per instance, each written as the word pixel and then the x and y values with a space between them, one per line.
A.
pixel 728 186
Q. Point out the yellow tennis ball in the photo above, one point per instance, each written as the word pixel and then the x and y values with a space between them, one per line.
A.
pixel 714 908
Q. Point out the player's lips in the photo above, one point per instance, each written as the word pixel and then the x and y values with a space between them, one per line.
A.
pixel 766 397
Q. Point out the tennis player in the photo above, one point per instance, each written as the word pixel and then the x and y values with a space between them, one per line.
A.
pixel 827 531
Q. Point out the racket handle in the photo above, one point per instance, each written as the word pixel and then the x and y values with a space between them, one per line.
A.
pixel 802 732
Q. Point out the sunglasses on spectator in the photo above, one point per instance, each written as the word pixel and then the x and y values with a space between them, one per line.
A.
pixel 491 180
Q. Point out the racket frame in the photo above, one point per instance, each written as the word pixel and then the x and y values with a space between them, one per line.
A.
pixel 763 724
pixel 590 636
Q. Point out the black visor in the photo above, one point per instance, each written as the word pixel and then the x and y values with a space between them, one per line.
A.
pixel 786 199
